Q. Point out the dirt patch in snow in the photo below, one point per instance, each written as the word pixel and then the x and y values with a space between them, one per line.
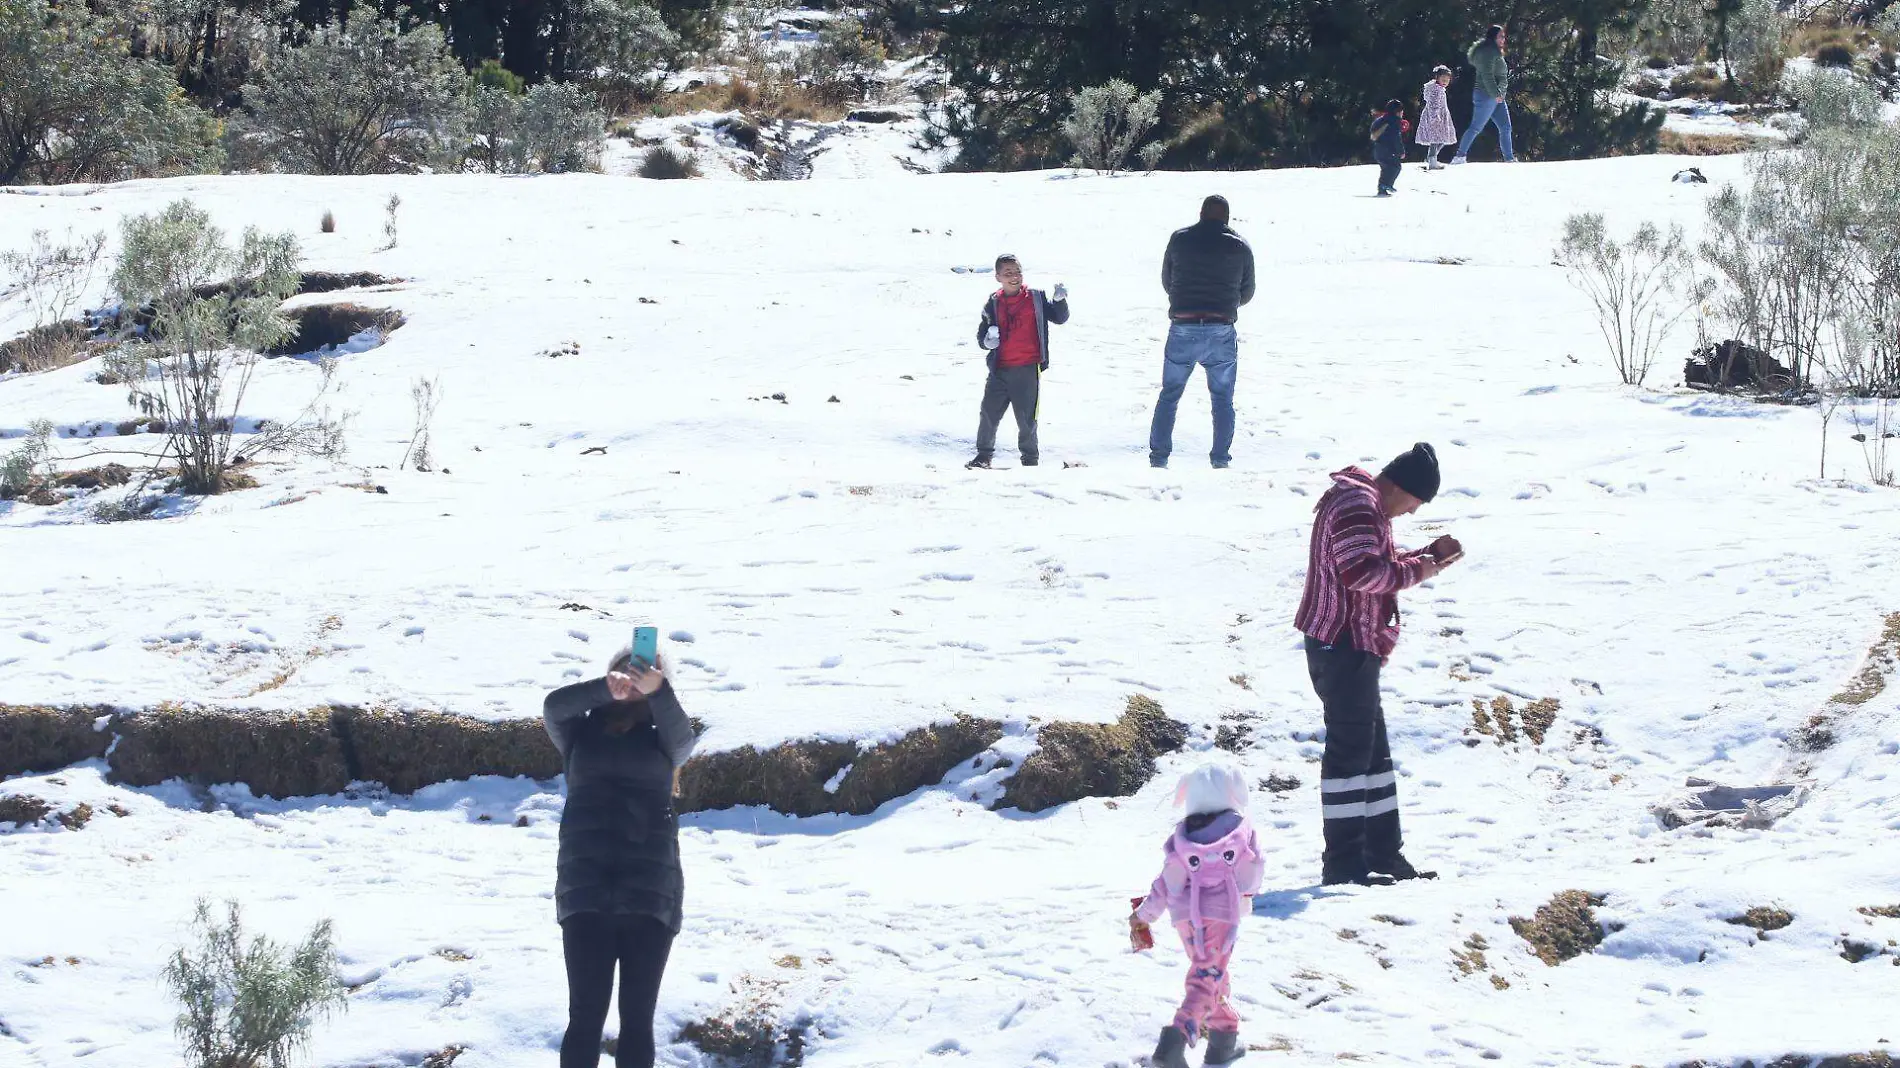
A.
pixel 1763 918
pixel 1875 1059
pixel 1822 729
pixel 24 810
pixel 323 750
pixel 1077 760
pixel 333 325
pixel 810 777
pixel 43 738
pixel 331 281
pixel 1564 928
pixel 279 754
pixel 1502 721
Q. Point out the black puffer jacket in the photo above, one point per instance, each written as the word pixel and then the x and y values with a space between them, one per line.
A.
pixel 620 852
pixel 1209 270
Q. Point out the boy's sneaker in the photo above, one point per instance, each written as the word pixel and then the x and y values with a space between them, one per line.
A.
pixel 1456 160
pixel 981 463
pixel 1385 192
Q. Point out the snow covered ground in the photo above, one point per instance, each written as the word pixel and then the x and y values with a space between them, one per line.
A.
pixel 1664 564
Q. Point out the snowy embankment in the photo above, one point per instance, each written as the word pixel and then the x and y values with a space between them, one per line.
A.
pixel 1662 564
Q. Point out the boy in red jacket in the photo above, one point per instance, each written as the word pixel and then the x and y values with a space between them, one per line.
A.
pixel 1015 331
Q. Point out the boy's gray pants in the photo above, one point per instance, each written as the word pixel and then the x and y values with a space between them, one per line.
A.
pixel 1010 387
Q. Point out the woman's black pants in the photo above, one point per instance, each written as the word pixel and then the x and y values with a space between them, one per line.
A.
pixel 593 944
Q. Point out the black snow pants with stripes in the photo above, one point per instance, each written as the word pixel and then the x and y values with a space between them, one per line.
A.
pixel 1358 796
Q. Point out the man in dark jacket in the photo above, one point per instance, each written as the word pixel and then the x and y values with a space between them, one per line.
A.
pixel 1015 331
pixel 619 885
pixel 1208 275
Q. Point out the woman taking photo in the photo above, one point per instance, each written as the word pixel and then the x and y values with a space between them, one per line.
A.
pixel 619 886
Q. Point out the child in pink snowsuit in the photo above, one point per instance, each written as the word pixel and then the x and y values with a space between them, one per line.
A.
pixel 1211 865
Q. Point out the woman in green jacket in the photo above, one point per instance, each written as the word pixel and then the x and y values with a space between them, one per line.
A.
pixel 1487 94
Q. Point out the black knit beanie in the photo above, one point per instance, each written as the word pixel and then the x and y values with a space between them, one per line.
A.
pixel 1415 471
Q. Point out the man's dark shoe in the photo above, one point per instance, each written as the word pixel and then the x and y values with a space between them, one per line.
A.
pixel 1356 878
pixel 1030 462
pixel 1401 870
pixel 981 463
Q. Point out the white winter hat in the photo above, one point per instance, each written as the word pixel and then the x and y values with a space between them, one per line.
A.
pixel 1212 787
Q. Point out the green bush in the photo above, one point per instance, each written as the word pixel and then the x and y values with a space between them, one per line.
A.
pixel 491 74
pixel 250 1004
pixel 554 127
pixel 667 163
pixel 74 107
pixel 361 97
pixel 203 336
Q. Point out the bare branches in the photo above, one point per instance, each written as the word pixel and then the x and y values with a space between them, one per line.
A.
pixel 1640 288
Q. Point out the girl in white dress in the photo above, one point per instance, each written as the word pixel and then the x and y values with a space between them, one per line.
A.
pixel 1435 130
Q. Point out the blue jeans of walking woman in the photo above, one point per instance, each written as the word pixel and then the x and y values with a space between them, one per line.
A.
pixel 1487 108
pixel 1216 348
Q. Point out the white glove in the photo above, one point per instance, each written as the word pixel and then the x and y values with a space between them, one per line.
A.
pixel 1062 292
pixel 992 338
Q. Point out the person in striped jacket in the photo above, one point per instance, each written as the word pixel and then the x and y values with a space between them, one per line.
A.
pixel 1350 616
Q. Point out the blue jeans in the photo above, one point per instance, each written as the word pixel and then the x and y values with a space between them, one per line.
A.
pixel 1216 347
pixel 1487 108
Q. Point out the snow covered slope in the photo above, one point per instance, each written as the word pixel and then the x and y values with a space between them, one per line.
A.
pixel 1662 564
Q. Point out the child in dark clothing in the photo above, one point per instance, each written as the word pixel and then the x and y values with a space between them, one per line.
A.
pixel 1388 132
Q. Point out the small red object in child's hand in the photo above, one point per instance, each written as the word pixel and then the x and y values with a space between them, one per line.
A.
pixel 1140 935
pixel 1405 125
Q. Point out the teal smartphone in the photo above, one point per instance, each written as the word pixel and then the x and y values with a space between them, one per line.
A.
pixel 646 646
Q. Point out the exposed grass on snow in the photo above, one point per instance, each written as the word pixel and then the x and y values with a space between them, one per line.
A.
pixel 1076 760
pixel 1564 928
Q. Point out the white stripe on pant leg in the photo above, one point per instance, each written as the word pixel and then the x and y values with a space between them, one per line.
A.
pixel 1357 782
pixel 1352 810
pixel 1383 806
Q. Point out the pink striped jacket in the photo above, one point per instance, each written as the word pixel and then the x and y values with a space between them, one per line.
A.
pixel 1355 572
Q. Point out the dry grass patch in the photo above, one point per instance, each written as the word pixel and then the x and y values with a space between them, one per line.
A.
pixel 1501 720
pixel 1077 760
pixel 1677 143
pixel 278 754
pixel 1888 912
pixel 47 348
pixel 43 738
pixel 331 281
pixel 408 750
pixel 1564 928
pixel 23 809
pixel 1883 659
pixel 1763 918
pixel 791 778
pixel 749 1034
pixel 320 325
